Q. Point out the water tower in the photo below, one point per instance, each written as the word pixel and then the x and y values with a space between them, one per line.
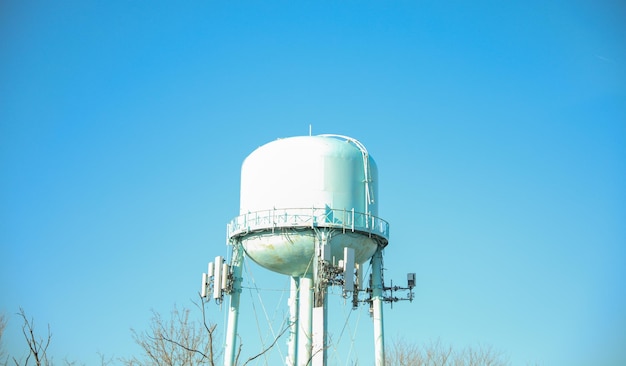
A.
pixel 308 210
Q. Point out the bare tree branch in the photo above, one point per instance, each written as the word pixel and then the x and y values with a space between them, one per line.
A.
pixel 177 341
pixel 269 347
pixel 210 329
pixel 403 353
pixel 37 347
pixel 238 352
pixel 204 356
pixel 3 324
pixel 103 360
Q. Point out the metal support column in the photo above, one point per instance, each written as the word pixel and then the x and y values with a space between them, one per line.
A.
pixel 236 265
pixel 319 347
pixel 292 342
pixel 320 300
pixel 305 321
pixel 377 307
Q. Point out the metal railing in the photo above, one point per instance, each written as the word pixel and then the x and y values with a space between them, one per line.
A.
pixel 346 220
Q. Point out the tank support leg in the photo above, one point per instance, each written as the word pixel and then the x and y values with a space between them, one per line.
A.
pixel 233 308
pixel 305 313
pixel 319 336
pixel 320 306
pixel 377 308
pixel 292 343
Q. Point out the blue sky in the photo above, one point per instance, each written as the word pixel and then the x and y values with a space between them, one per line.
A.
pixel 499 130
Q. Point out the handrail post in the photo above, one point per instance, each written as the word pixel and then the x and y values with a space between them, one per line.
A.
pixel 352 219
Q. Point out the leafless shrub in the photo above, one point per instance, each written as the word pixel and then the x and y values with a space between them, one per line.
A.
pixel 182 341
pixel 176 341
pixel 404 353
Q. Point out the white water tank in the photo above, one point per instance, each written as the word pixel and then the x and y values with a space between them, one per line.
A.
pixel 294 187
